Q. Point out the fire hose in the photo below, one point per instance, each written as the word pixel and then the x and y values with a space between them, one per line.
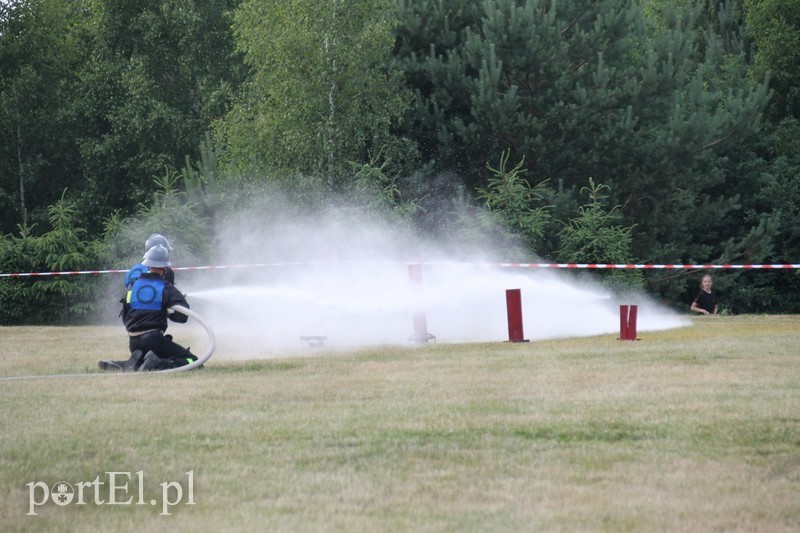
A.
pixel 212 343
pixel 212 340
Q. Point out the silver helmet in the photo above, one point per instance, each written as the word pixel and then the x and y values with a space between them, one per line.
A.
pixel 157 238
pixel 157 257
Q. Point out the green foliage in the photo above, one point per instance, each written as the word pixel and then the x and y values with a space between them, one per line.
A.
pixel 775 27
pixel 18 254
pixel 584 89
pixel 660 100
pixel 510 201
pixel 38 153
pixel 104 95
pixel 170 212
pixel 771 214
pixel 66 246
pixel 207 187
pixel 596 235
pixel 58 299
pixel 322 91
pixel 471 227
pixel 776 190
pixel 375 191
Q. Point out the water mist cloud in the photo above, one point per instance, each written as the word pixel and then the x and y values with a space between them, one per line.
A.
pixel 352 287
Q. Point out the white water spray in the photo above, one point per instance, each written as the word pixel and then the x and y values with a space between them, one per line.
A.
pixel 354 289
pixel 361 304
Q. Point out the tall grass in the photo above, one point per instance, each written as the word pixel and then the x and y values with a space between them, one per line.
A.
pixel 689 429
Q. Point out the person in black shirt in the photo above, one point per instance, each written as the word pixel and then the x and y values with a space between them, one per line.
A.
pixel 705 302
pixel 144 313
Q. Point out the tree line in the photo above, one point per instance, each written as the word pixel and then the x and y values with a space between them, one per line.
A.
pixel 581 131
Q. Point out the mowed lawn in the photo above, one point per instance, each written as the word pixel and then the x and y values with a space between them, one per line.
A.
pixel 689 429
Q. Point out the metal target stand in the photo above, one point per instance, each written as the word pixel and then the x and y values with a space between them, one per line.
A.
pixel 314 336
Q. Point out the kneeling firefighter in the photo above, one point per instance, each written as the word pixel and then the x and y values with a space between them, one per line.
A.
pixel 144 313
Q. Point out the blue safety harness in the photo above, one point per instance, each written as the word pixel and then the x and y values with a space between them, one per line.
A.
pixel 134 273
pixel 147 294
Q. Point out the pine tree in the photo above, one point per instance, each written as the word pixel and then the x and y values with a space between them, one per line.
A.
pixel 588 88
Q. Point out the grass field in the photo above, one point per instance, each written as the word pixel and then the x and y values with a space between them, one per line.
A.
pixel 690 429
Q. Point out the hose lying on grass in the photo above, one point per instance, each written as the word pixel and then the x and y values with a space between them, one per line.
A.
pixel 212 344
pixel 212 340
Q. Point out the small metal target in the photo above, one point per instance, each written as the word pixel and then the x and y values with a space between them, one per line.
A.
pixel 314 336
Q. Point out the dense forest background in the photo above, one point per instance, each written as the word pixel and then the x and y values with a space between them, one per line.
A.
pixel 577 131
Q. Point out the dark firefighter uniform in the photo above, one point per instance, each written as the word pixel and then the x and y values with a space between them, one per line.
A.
pixel 144 313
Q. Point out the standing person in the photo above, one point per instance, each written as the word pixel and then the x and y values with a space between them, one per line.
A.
pixel 705 302
pixel 144 313
pixel 139 268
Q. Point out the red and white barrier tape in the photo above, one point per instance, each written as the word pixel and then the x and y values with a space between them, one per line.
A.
pixel 124 270
pixel 591 266
pixel 646 266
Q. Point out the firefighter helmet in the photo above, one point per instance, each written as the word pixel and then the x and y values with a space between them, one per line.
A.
pixel 157 257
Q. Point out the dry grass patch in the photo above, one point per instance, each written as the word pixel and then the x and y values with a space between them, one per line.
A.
pixel 688 429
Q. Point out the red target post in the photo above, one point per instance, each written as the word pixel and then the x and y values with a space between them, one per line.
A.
pixel 627 322
pixel 514 311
